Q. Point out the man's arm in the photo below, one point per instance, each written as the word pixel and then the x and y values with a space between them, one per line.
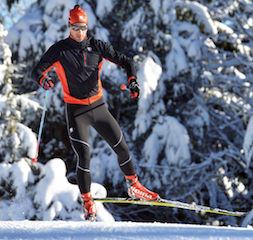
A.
pixel 111 54
pixel 44 65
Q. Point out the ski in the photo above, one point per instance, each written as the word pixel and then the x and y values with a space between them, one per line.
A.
pixel 169 203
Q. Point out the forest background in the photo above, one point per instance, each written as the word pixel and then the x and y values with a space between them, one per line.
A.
pixel 190 134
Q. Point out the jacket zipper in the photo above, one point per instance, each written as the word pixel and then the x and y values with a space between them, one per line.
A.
pixel 85 64
pixel 84 59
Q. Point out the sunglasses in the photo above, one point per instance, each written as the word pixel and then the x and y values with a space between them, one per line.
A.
pixel 77 28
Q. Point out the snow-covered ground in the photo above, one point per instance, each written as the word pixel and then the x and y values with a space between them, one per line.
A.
pixel 50 191
pixel 117 230
pixel 54 188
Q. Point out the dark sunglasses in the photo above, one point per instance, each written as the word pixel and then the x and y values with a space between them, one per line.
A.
pixel 77 28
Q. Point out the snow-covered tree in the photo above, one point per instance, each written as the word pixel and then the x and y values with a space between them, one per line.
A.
pixel 21 198
pixel 188 134
pixel 16 140
pixel 13 133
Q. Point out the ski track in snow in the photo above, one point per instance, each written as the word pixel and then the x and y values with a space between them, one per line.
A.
pixel 70 230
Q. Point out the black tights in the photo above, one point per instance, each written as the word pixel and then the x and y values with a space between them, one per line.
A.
pixel 79 118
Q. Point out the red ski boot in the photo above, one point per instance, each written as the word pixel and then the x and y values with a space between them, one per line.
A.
pixel 137 191
pixel 89 207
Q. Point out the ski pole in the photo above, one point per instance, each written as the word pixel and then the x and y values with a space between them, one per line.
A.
pixel 41 126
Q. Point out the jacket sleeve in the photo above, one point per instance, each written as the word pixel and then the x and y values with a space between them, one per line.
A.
pixel 45 64
pixel 111 54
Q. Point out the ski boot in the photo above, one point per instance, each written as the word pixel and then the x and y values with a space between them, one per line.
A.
pixel 137 191
pixel 89 207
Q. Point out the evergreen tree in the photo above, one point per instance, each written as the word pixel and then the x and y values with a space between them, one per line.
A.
pixel 186 133
pixel 22 184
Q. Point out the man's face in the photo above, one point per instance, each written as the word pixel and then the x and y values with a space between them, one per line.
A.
pixel 78 34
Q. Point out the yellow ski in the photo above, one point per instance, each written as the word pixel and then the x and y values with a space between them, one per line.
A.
pixel 168 203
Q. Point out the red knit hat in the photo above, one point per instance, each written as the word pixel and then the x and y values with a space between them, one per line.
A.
pixel 77 14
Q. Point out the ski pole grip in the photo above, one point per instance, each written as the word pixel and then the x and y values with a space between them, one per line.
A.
pixel 123 87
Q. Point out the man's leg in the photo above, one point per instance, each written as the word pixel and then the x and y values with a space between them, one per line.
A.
pixel 108 128
pixel 78 130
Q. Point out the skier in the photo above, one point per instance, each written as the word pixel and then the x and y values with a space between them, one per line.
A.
pixel 78 61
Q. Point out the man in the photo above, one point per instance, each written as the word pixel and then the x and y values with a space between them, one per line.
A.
pixel 78 61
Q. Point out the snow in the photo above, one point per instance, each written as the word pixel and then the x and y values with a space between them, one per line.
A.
pixel 92 20
pixel 28 139
pixel 184 43
pixel 176 141
pixel 176 60
pixel 102 34
pixel 53 7
pixel 74 230
pixel 202 15
pixel 104 7
pixel 131 28
pixel 247 219
pixel 156 5
pixel 55 196
pixel 47 195
pixel 247 144
pixel 148 77
pixel 56 190
pixel 23 175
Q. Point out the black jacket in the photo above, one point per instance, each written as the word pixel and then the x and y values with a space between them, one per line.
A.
pixel 78 65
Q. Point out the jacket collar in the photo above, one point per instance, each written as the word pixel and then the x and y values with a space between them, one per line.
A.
pixel 80 45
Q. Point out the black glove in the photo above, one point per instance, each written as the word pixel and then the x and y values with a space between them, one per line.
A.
pixel 47 83
pixel 134 88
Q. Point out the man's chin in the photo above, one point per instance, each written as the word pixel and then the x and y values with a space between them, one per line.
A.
pixel 79 39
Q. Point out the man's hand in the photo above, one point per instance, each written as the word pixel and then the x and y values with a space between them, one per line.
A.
pixel 134 88
pixel 47 83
